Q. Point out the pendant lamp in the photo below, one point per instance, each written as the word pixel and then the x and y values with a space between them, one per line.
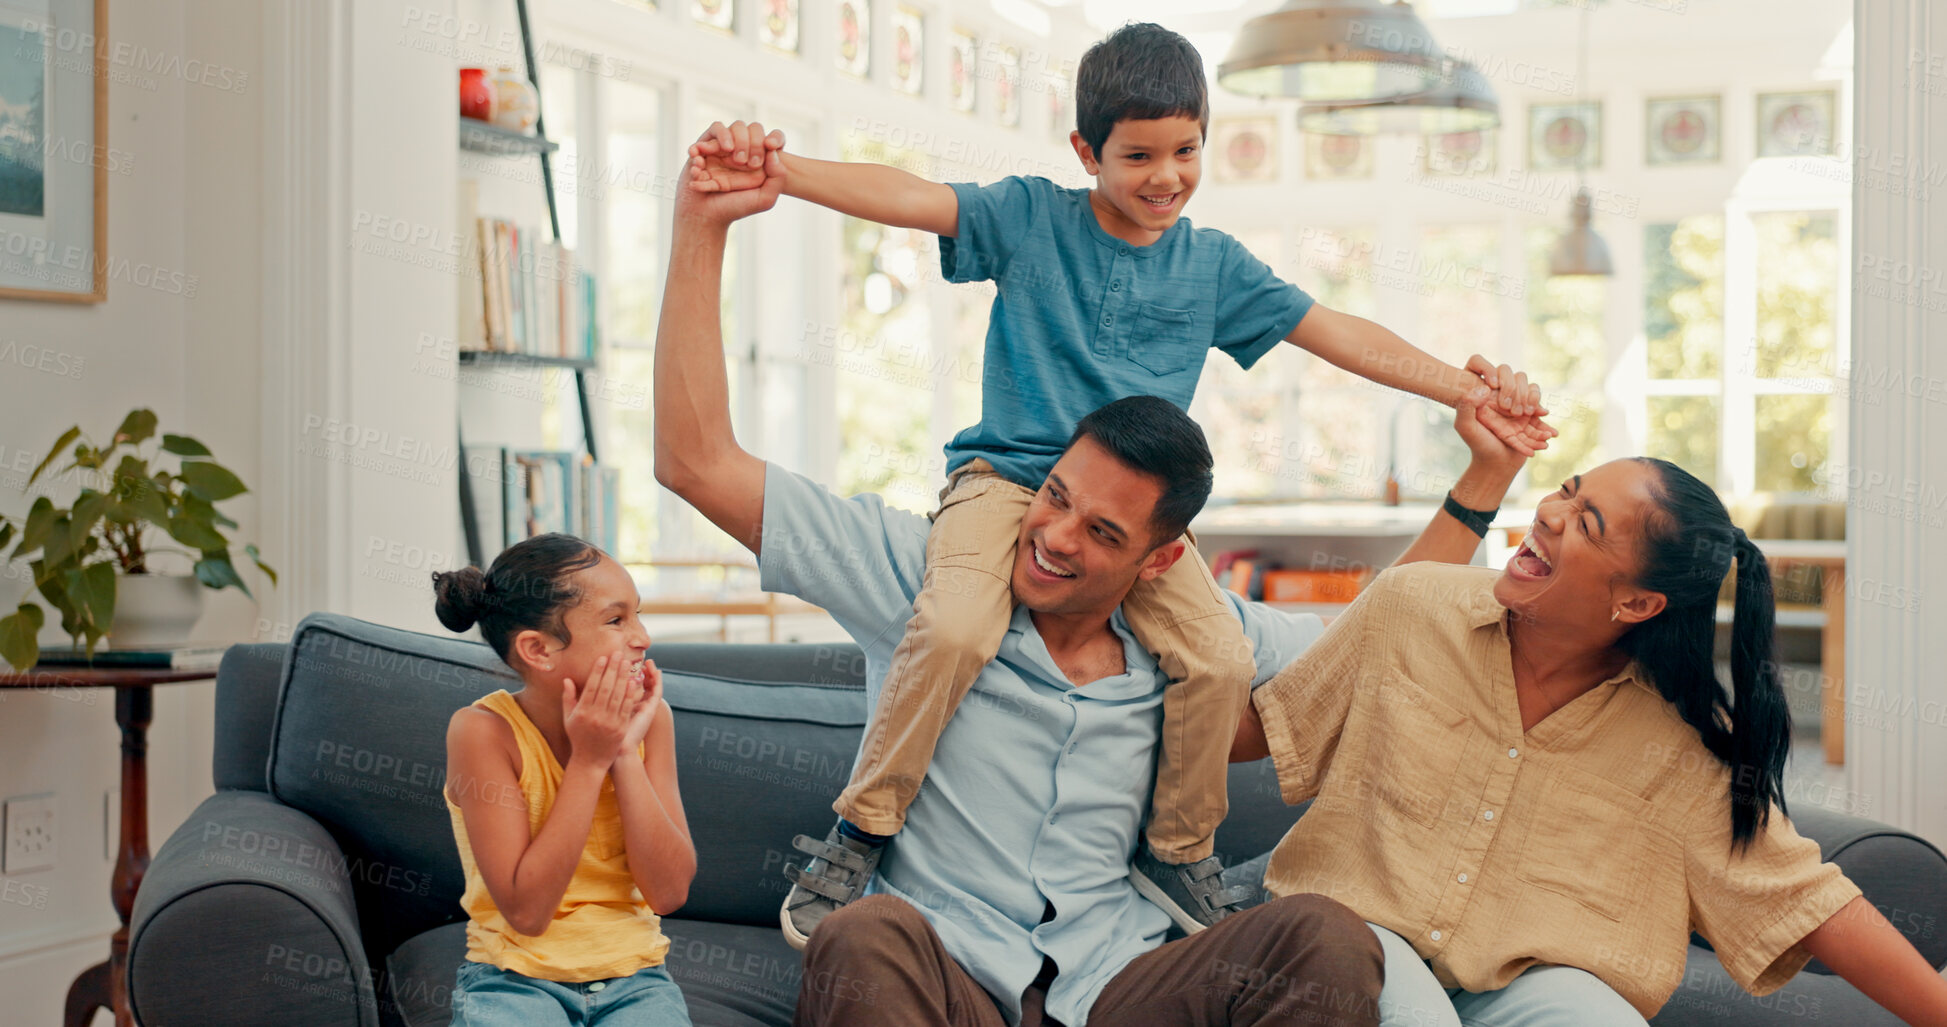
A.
pixel 1334 51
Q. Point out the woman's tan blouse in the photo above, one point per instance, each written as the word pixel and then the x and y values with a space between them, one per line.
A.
pixel 1600 839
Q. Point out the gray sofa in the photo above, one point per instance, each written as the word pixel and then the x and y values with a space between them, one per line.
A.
pixel 320 885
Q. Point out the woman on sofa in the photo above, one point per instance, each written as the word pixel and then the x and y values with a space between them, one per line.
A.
pixel 1532 784
pixel 563 798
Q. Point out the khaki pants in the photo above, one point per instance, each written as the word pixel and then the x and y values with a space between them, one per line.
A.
pixel 959 620
pixel 1298 961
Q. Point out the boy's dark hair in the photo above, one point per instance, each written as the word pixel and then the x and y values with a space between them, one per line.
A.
pixel 1141 72
pixel 1155 437
pixel 530 585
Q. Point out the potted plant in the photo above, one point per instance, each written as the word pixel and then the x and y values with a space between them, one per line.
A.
pixel 97 551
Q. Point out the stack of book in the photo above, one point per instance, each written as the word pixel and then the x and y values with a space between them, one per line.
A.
pixel 520 291
pixel 187 656
pixel 541 491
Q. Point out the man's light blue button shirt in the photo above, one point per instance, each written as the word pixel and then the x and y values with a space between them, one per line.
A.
pixel 1037 791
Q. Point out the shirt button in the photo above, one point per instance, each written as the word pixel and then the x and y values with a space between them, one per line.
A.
pixel 598 985
pixel 1489 815
pixel 1463 878
pixel 1512 753
pixel 1123 250
pixel 1107 320
pixel 1115 286
pixel 1435 935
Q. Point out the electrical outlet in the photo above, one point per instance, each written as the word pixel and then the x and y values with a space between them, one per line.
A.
pixel 30 834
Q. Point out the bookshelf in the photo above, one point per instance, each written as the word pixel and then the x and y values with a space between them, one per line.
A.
pixel 492 140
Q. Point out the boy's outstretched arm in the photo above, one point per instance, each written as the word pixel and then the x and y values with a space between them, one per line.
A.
pixel 1377 354
pixel 875 192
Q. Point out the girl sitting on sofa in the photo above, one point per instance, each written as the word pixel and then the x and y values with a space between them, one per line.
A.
pixel 563 797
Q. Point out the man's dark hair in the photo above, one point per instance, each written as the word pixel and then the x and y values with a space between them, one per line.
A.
pixel 1155 437
pixel 1141 72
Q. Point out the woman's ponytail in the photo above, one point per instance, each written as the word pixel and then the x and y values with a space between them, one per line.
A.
pixel 1760 719
pixel 1688 548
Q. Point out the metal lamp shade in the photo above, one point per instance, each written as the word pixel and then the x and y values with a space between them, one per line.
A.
pixel 1334 51
pixel 1464 102
pixel 1580 251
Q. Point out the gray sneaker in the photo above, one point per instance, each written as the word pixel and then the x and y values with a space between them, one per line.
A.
pixel 837 874
pixel 1193 894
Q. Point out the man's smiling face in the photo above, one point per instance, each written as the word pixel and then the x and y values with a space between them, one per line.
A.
pixel 1089 535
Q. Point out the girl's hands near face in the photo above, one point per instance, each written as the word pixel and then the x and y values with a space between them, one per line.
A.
pixel 596 714
pixel 647 704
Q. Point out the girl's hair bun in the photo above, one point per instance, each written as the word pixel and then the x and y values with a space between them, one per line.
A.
pixel 459 597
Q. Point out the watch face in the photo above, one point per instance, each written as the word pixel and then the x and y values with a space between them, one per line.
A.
pixel 1797 124
pixel 1682 131
pixel 1564 137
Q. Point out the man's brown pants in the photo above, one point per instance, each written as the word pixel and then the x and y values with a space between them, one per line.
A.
pixel 1298 960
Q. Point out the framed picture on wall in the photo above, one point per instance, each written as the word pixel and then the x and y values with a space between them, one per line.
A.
pixel 908 50
pixel 778 29
pixel 1460 153
pixel 1564 136
pixel 1244 148
pixel 1682 130
pixel 54 150
pixel 1801 124
pixel 963 72
pixel 855 37
pixel 1007 86
pixel 1061 107
pixel 717 14
pixel 1337 158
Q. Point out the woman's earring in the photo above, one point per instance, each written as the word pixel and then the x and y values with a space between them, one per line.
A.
pixel 1614 615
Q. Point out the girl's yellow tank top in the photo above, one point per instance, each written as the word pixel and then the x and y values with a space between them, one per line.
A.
pixel 604 928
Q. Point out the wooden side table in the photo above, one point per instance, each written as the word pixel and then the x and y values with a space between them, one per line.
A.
pixel 1830 556
pixel 104 985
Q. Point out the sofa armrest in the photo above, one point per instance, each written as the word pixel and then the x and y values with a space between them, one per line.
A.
pixel 246 915
pixel 1901 874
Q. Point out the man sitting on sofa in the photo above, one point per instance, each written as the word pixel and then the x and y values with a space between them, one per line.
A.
pixel 1006 900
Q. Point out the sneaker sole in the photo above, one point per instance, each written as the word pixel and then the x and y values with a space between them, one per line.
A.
pixel 792 936
pixel 1150 890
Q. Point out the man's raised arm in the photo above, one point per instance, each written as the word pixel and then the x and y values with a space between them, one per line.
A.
pixel 697 455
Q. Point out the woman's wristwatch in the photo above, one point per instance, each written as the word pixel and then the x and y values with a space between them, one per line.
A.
pixel 1477 521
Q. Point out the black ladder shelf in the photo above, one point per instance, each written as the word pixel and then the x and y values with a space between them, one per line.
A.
pixel 483 138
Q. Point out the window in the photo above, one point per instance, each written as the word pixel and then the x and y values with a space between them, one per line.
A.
pixel 1567 356
pixel 1794 355
pixel 631 280
pixel 1683 327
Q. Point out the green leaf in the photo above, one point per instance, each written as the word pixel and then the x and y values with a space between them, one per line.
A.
pixel 6 532
pixel 88 508
pixel 40 518
pixel 209 480
pixel 141 498
pixel 254 556
pixel 216 571
pixel 62 543
pixel 18 631
pixel 199 508
pixel 56 592
pixel 93 590
pixel 196 534
pixel 132 468
pixel 137 427
pixel 183 445
pixel 66 437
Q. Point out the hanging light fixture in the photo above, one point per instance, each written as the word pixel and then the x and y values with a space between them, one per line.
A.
pixel 1334 51
pixel 1464 102
pixel 1580 251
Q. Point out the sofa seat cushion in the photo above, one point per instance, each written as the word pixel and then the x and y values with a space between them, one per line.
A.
pixel 732 975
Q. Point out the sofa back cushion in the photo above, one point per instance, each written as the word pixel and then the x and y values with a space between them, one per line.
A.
pixel 359 743
pixel 246 704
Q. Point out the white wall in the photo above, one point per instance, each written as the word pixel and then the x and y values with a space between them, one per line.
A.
pixel 184 204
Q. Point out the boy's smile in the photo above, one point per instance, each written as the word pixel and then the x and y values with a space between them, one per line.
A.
pixel 1144 175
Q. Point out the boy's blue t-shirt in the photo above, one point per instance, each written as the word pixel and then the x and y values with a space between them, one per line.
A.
pixel 1081 318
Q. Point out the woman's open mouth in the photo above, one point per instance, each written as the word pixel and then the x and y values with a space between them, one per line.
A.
pixel 1530 563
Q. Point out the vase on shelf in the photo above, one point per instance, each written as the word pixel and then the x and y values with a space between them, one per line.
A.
pixel 516 105
pixel 476 95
